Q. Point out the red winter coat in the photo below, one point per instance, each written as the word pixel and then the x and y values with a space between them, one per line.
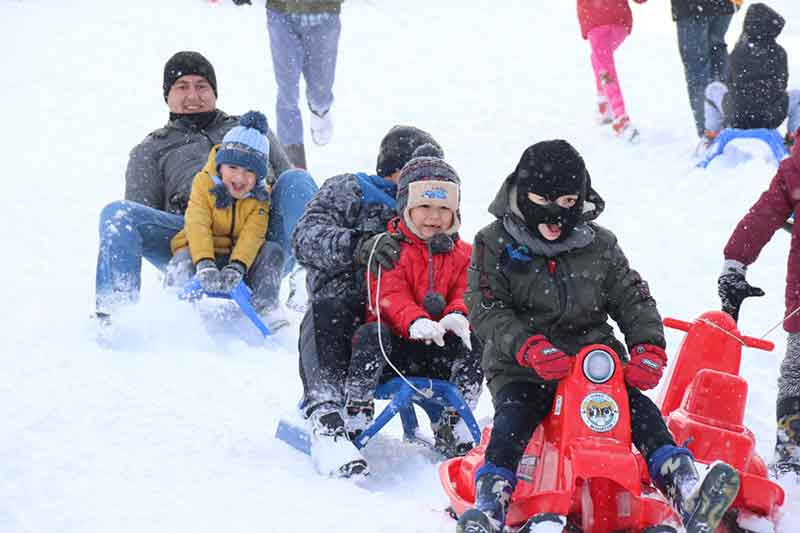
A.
pixel 404 287
pixel 765 217
pixel 594 13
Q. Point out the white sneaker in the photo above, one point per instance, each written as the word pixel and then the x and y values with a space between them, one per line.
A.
pixel 321 128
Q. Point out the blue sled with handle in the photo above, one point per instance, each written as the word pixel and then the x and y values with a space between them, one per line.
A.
pixel 438 394
pixel 771 137
pixel 241 295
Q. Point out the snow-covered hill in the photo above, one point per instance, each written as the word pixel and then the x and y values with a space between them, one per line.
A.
pixel 175 432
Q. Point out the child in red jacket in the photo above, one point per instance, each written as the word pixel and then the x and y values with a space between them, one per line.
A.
pixel 752 233
pixel 416 314
pixel 606 24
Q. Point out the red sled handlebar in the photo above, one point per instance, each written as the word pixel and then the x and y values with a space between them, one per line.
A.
pixel 751 342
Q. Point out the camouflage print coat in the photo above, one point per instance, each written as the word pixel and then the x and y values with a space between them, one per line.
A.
pixel 347 208
pixel 521 286
pixel 162 167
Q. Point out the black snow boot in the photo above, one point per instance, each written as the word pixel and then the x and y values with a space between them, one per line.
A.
pixel 359 414
pixel 451 435
pixel 493 489
pixel 331 451
pixel 787 445
pixel 701 501
pixel 297 155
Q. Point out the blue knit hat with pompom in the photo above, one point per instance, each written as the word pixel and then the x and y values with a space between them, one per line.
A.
pixel 246 145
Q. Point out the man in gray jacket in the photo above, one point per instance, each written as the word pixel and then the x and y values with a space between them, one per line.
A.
pixel 158 182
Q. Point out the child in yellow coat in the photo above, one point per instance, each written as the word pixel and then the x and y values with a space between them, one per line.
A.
pixel 223 238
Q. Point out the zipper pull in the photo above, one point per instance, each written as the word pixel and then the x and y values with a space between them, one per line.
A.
pixel 551 266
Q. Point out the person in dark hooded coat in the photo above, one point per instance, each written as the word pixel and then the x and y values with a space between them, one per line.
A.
pixel 543 282
pixel 754 93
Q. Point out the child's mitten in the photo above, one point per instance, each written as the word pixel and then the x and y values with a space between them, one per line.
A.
pixel 545 359
pixel 425 329
pixel 459 325
pixel 646 366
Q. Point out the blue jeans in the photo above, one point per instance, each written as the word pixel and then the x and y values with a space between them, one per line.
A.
pixel 701 41
pixel 307 49
pixel 130 231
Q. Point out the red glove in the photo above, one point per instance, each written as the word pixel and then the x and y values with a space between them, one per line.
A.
pixel 545 359
pixel 647 364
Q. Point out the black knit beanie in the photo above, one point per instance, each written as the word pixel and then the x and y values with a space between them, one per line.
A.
pixel 186 63
pixel 398 146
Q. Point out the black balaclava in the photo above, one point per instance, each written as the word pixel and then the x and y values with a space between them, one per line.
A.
pixel 551 169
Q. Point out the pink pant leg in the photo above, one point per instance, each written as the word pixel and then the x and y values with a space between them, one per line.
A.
pixel 604 40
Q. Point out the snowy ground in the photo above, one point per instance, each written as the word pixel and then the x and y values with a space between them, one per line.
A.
pixel 175 433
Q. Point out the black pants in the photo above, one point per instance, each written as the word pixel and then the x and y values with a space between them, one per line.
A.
pixel 326 334
pixel 519 408
pixel 453 362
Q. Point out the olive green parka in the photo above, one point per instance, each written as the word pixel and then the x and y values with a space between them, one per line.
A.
pixel 520 286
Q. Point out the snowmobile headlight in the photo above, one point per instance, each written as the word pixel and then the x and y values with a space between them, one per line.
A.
pixel 598 366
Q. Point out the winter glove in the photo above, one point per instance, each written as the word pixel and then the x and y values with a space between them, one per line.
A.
pixel 646 366
pixel 242 2
pixel 733 288
pixel 231 275
pixel 208 275
pixel 459 325
pixel 544 358
pixel 387 251
pixel 425 329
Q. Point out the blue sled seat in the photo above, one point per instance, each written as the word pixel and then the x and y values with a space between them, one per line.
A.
pixel 241 295
pixel 438 394
pixel 772 138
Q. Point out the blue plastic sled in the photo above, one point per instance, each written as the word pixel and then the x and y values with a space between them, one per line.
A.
pixel 402 399
pixel 772 138
pixel 241 295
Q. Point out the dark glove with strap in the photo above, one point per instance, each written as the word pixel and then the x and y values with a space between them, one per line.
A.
pixel 545 359
pixel 242 2
pixel 733 287
pixel 231 275
pixel 646 366
pixel 208 275
pixel 384 249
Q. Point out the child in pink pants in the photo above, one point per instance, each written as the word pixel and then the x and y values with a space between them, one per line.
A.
pixel 606 24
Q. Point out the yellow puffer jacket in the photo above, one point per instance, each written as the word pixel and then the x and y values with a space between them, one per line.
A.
pixel 209 231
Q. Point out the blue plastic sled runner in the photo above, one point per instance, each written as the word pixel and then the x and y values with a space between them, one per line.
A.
pixel 241 295
pixel 438 394
pixel 771 137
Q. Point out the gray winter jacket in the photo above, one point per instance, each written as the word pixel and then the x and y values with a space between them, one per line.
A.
pixel 327 234
pixel 161 167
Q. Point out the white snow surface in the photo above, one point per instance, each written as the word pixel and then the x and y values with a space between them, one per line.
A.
pixel 175 432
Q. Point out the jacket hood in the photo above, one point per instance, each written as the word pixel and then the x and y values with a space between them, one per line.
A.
pixel 762 22
pixel 505 202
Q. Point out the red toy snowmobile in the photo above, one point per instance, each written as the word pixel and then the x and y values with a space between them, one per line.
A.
pixel 703 399
pixel 579 466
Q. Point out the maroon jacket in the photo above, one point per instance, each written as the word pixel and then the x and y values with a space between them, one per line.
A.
pixel 594 13
pixel 764 218
pixel 403 288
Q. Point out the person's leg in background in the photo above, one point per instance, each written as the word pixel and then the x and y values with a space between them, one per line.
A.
pixel 291 192
pixel 321 44
pixel 287 62
pixel 693 42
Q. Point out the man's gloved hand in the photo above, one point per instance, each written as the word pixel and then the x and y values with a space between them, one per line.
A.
pixel 208 275
pixel 242 2
pixel 425 329
pixel 545 359
pixel 459 325
pixel 733 288
pixel 646 366
pixel 387 251
pixel 231 275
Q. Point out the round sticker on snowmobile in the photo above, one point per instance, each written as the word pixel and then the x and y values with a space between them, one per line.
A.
pixel 599 412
